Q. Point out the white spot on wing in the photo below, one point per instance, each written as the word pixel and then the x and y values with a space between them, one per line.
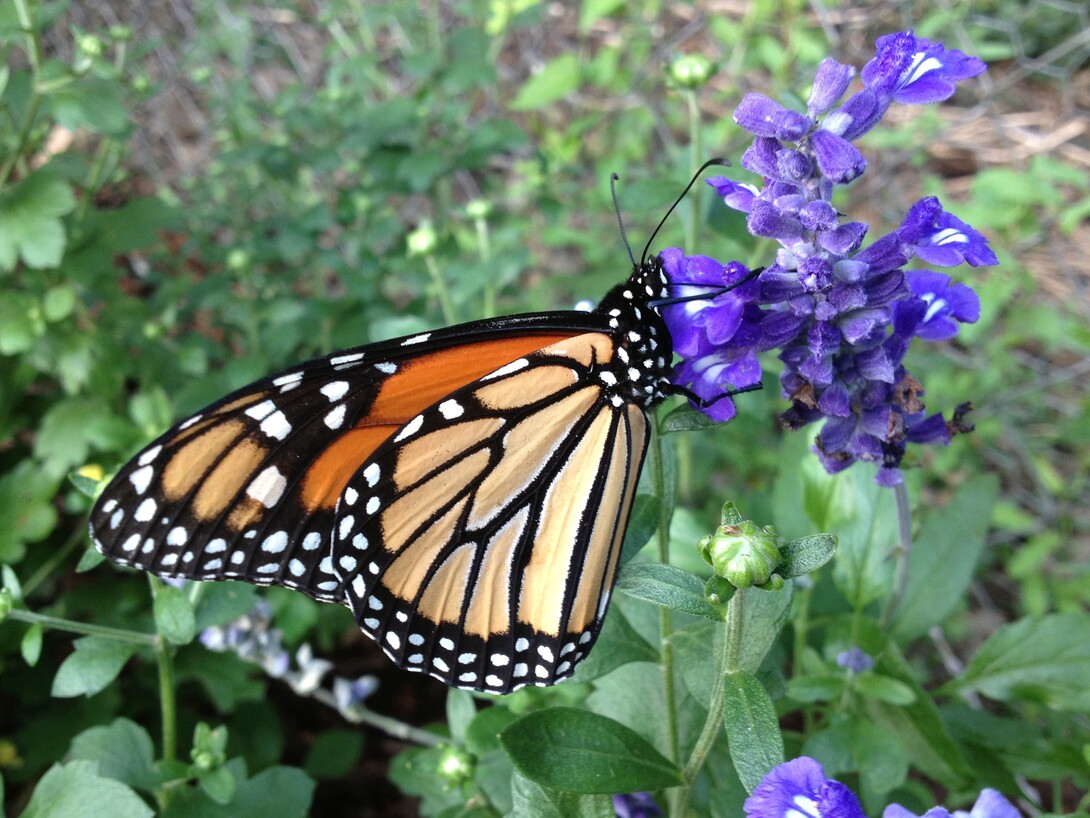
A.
pixel 416 339
pixel 275 543
pixel 335 390
pixel 141 479
pixel 276 425
pixel 177 536
pixel 371 474
pixel 450 409
pixel 507 369
pixel 268 487
pixel 335 417
pixel 145 512
pixel 341 360
pixel 149 455
pixel 410 428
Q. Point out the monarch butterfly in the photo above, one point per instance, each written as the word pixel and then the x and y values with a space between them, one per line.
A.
pixel 465 492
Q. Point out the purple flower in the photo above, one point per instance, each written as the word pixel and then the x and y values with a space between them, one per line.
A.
pixel 937 308
pixel 990 804
pixel 941 238
pixel 855 659
pixel 841 314
pixel 349 694
pixel 912 70
pixel 636 805
pixel 799 789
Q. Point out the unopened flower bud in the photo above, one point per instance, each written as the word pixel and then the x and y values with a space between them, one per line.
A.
pixel 744 554
pixel 691 70
pixel 455 766
pixel 422 241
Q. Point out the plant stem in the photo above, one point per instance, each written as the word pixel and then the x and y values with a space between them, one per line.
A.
pixel 390 726
pixel 54 559
pixel 696 149
pixel 903 552
pixel 167 705
pixel 726 662
pixel 84 629
pixel 484 250
pixel 446 306
pixel 666 627
pixel 34 57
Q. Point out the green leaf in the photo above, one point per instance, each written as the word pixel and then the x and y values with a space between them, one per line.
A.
pixel 223 602
pixel 76 790
pixel 58 302
pixel 1043 659
pixel 669 587
pixel 825 688
pixel 558 79
pixel 883 688
pixel 94 102
pixel 30 223
pixel 686 419
pixel 91 559
pixel 532 800
pixel 944 556
pixel 806 554
pixel 919 727
pixel 577 751
pixel 31 646
pixel 27 513
pixel 174 617
pixel 618 644
pixel 694 647
pixel 218 784
pixel 643 522
pixel 594 10
pixel 857 745
pixel 94 664
pixel 765 615
pixel 460 712
pixel 123 752
pixel 752 728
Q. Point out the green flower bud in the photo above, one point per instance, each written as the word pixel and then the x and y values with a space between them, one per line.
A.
pixel 90 45
pixel 422 241
pixel 237 259
pixel 690 70
pixel 455 766
pixel 479 209
pixel 744 554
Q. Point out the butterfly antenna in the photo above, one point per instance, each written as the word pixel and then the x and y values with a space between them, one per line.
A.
pixel 613 177
pixel 704 167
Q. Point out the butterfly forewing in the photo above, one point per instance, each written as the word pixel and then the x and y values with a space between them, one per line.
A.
pixel 479 544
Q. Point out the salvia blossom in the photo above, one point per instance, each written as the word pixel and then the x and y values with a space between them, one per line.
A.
pixel 855 659
pixel 636 805
pixel 841 312
pixel 990 804
pixel 252 638
pixel 800 789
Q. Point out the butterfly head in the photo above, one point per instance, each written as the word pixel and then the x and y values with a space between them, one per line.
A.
pixel 642 348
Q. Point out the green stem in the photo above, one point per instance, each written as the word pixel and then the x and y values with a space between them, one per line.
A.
pixel 390 726
pixel 727 661
pixel 666 626
pixel 167 705
pixel 34 57
pixel 56 558
pixel 484 250
pixel 903 551
pixel 441 291
pixel 84 629
pixel 696 151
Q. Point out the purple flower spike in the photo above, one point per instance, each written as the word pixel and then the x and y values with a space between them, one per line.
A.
pixel 636 805
pixel 799 788
pixel 841 314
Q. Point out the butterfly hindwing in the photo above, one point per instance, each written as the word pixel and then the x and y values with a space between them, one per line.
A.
pixel 480 542
pixel 247 488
